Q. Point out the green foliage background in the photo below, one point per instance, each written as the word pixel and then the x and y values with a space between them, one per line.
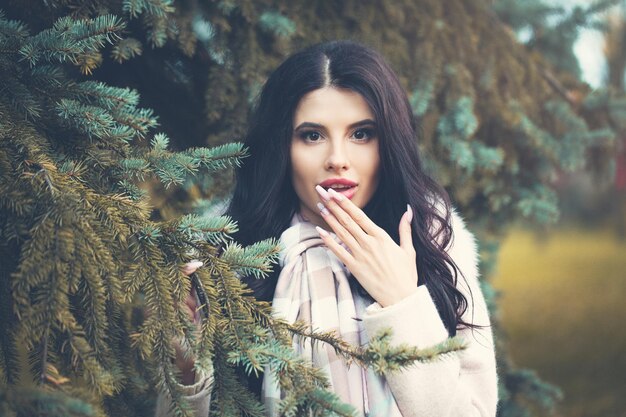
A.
pixel 91 197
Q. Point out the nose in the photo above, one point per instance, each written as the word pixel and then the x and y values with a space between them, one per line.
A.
pixel 337 159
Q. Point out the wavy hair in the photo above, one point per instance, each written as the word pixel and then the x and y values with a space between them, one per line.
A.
pixel 264 200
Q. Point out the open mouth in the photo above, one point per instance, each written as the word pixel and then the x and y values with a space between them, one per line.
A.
pixel 345 190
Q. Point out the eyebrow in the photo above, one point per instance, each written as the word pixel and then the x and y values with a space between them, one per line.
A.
pixel 366 122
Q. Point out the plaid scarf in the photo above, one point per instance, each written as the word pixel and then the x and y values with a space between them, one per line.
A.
pixel 313 287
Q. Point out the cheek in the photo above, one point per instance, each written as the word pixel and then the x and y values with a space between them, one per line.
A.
pixel 304 163
pixel 301 171
pixel 369 162
pixel 298 166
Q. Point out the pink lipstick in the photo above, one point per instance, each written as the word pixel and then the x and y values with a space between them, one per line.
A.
pixel 343 186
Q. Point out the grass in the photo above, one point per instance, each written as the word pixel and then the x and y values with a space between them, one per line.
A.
pixel 563 307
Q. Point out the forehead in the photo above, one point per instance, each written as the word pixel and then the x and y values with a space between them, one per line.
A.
pixel 332 105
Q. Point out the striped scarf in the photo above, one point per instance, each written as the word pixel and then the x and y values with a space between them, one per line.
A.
pixel 313 287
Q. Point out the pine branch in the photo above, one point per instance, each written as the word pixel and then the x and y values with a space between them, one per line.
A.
pixel 220 157
pixel 252 260
pixel 44 355
pixel 126 49
pixel 303 332
pixel 68 40
pixel 379 354
pixel 558 87
pixel 102 95
pixel 28 401
pixel 277 24
pixel 152 7
pixel 138 120
pixel 9 365
pixel 383 358
pixel 232 398
pixel 92 120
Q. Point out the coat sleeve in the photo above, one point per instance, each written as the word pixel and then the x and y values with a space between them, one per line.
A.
pixel 462 384
pixel 198 396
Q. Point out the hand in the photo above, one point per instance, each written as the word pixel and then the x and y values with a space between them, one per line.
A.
pixel 185 362
pixel 388 272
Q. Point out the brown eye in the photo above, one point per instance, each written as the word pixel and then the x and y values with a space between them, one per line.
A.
pixel 311 136
pixel 363 134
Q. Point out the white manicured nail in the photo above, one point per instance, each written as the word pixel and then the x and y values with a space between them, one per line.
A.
pixel 322 208
pixel 322 192
pixel 321 231
pixel 335 194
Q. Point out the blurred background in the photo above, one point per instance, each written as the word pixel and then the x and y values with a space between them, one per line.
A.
pixel 561 287
pixel 522 110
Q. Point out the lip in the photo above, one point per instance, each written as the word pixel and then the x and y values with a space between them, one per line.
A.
pixel 348 192
pixel 342 181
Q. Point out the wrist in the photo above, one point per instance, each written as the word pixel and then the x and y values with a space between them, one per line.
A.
pixel 185 363
pixel 397 297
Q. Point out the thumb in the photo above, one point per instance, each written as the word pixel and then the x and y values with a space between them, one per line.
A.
pixel 404 230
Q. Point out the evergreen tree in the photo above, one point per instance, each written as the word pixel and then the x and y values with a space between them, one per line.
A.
pixel 91 285
pixel 84 254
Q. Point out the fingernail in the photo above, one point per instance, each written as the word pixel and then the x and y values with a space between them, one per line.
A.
pixel 321 231
pixel 194 264
pixel 322 192
pixel 335 194
pixel 410 211
pixel 323 209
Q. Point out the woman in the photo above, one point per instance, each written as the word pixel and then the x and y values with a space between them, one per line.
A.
pixel 334 172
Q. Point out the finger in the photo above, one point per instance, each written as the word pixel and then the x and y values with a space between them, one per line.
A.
pixel 404 230
pixel 191 267
pixel 189 312
pixel 342 233
pixel 357 215
pixel 341 252
pixel 346 221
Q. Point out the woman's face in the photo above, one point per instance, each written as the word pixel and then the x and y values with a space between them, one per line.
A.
pixel 334 138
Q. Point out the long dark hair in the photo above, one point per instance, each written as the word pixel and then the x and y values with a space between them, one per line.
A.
pixel 264 200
